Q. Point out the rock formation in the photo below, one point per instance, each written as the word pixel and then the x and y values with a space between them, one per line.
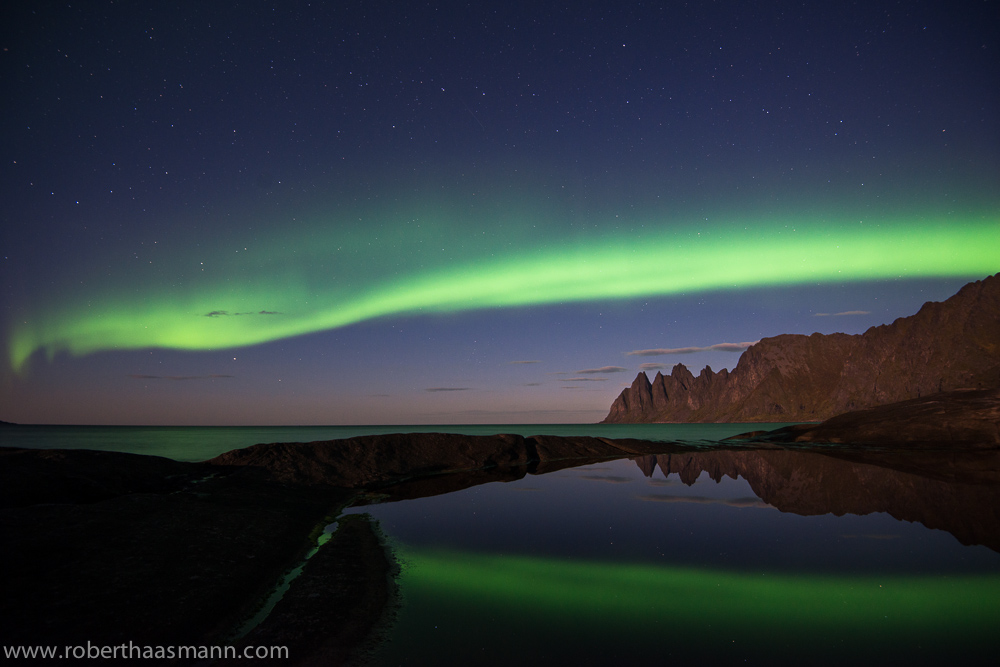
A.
pixel 965 419
pixel 946 346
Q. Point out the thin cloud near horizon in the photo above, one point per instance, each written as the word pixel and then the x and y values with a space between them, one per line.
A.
pixel 435 389
pixel 138 376
pixel 602 369
pixel 529 413
pixel 703 500
pixel 718 347
pixel 846 312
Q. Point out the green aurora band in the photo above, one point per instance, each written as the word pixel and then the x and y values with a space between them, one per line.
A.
pixel 292 285
pixel 758 606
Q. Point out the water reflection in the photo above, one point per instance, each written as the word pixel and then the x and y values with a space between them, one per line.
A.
pixel 713 556
pixel 944 491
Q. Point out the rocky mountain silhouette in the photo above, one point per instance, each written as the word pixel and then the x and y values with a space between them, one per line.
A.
pixel 945 346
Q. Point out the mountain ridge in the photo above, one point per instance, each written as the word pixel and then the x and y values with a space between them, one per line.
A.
pixel 945 346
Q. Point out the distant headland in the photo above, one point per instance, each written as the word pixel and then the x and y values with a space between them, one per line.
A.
pixel 946 346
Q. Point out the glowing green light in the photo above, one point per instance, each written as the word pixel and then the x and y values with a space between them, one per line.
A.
pixel 329 279
pixel 638 596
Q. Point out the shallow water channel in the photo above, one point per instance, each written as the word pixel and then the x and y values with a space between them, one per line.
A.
pixel 778 557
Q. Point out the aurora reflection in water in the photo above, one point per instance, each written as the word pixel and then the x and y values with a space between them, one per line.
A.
pixel 599 564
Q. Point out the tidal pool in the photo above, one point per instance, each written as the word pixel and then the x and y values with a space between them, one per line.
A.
pixel 715 559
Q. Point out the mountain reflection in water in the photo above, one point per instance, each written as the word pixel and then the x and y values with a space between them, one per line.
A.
pixel 581 563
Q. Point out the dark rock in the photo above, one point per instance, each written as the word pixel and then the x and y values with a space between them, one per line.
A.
pixel 367 461
pixel 958 419
pixel 340 596
pixel 33 476
pixel 945 346
pixel 142 549
pixel 112 548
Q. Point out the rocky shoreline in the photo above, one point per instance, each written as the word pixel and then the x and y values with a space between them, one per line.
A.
pixel 107 548
pixel 964 419
pixel 112 548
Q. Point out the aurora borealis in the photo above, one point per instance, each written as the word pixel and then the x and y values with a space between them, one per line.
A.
pixel 299 288
pixel 360 215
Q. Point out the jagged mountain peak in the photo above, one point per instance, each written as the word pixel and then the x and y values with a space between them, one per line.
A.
pixel 947 345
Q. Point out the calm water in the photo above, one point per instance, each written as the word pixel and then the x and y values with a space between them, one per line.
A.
pixel 603 565
pixel 198 443
pixel 711 557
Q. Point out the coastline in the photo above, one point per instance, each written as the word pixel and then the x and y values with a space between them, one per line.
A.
pixel 113 548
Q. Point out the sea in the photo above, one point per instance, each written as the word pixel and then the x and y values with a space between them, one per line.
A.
pixel 200 443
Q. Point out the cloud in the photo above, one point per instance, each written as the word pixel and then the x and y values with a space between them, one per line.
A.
pixel 585 380
pixel 650 366
pixel 846 312
pixel 614 479
pixel 532 384
pixel 702 500
pixel 528 361
pixel 718 347
pixel 178 377
pixel 602 369
pixel 531 414
pixel 447 389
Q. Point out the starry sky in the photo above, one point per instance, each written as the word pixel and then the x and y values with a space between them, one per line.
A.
pixel 438 213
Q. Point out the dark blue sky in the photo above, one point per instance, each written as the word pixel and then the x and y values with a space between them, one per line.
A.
pixel 424 195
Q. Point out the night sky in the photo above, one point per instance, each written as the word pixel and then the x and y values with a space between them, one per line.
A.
pixel 411 213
